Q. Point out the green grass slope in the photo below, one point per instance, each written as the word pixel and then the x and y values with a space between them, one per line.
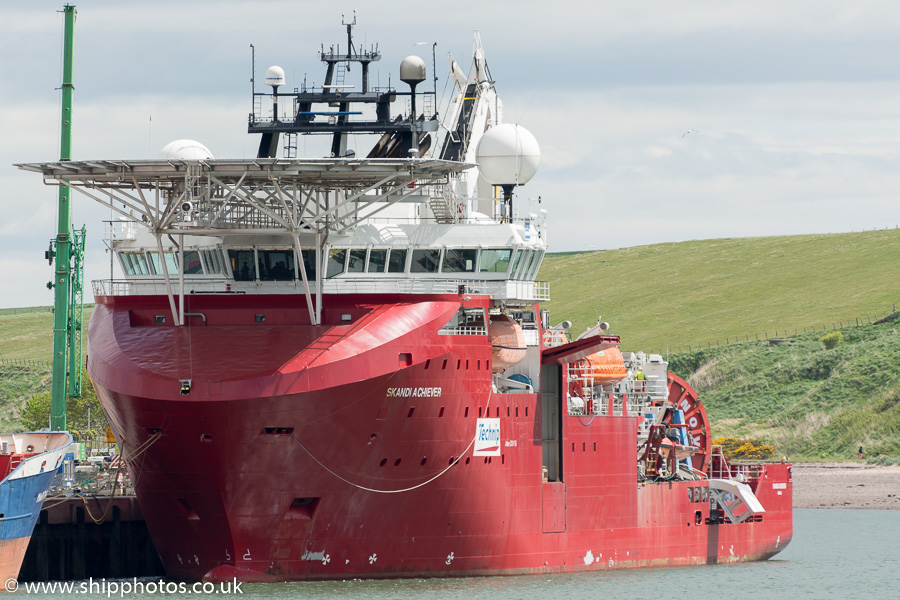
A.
pixel 810 402
pixel 26 355
pixel 675 295
pixel 27 333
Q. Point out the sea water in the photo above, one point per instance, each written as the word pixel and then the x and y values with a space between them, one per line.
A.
pixel 841 554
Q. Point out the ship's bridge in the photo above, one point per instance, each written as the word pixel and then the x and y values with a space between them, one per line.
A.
pixel 314 227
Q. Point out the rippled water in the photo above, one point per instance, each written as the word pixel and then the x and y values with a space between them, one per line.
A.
pixel 842 554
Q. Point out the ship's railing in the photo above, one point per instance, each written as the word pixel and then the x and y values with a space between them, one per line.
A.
pixel 467 330
pixel 598 405
pixel 653 386
pixel 157 287
pixel 721 468
pixel 522 291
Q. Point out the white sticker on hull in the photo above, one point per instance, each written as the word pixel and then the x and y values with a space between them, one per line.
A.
pixel 487 438
pixel 589 558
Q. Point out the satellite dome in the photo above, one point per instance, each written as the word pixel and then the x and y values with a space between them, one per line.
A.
pixel 412 70
pixel 275 76
pixel 185 150
pixel 508 155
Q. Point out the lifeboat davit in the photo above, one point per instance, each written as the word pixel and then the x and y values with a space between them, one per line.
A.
pixel 507 342
pixel 606 367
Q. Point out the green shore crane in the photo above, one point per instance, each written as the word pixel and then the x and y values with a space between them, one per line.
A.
pixel 67 250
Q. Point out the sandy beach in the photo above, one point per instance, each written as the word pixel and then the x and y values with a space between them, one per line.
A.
pixel 846 485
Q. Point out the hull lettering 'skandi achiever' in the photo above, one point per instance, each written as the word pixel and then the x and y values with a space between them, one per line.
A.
pixel 339 367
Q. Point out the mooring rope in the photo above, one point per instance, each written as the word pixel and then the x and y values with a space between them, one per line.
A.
pixel 409 489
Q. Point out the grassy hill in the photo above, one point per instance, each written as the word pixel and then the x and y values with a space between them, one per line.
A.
pixel 691 293
pixel 810 402
pixel 26 354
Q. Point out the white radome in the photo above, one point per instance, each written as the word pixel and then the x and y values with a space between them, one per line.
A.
pixel 275 76
pixel 508 155
pixel 412 70
pixel 185 150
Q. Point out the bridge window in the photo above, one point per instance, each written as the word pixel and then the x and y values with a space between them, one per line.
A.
pixel 517 262
pixel 276 265
pixel 535 264
pixel 336 261
pixel 192 264
pixel 243 264
pixel 156 265
pixel 377 260
pixel 397 260
pixel 495 260
pixel 309 262
pixel 134 263
pixel 459 261
pixel 356 262
pixel 425 261
pixel 213 262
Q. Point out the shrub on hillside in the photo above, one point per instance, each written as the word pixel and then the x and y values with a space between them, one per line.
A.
pixel 744 449
pixel 832 340
pixel 35 412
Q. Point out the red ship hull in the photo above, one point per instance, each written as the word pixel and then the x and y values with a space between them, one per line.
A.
pixel 345 450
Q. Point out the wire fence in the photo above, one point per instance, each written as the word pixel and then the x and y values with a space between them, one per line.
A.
pixel 26 310
pixel 781 335
pixel 22 362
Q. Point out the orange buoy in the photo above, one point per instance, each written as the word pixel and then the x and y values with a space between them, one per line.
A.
pixel 507 342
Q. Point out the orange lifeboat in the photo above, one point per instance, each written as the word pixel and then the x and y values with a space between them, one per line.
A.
pixel 606 367
pixel 507 342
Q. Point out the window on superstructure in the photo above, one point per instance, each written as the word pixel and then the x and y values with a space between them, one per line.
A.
pixel 336 260
pixel 525 266
pixel 243 264
pixel 192 264
pixel 495 260
pixel 356 262
pixel 134 263
pixel 535 264
pixel 309 261
pixel 425 261
pixel 156 265
pixel 213 262
pixel 378 260
pixel 276 265
pixel 516 263
pixel 397 260
pixel 460 260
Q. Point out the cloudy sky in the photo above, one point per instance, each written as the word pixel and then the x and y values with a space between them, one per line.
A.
pixel 796 106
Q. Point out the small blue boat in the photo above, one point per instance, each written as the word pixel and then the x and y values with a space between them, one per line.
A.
pixel 28 462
